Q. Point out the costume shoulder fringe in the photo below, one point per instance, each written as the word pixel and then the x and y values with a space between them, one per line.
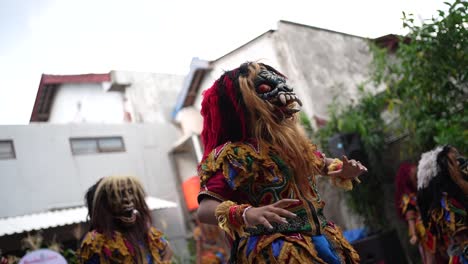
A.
pixel 238 161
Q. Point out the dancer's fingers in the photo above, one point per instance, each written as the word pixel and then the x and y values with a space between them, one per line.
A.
pixel 362 167
pixel 285 203
pixel 283 212
pixel 345 159
pixel 265 222
pixel 272 217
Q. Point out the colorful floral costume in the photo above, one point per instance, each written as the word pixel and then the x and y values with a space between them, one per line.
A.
pixel 443 203
pixel 445 223
pixel 210 239
pixel 253 173
pixel 97 248
pixel 409 208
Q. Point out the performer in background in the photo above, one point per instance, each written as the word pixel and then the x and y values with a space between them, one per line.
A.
pixel 121 225
pixel 442 199
pixel 210 244
pixel 258 174
pixel 407 208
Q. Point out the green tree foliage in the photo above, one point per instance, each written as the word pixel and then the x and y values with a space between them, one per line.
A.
pixel 429 79
pixel 425 89
pixel 366 199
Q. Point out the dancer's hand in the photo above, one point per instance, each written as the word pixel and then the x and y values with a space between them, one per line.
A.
pixel 413 240
pixel 264 215
pixel 350 169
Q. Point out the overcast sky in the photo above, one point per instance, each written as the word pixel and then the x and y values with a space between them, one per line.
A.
pixel 96 36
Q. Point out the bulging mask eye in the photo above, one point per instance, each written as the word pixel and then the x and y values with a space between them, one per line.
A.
pixel 263 88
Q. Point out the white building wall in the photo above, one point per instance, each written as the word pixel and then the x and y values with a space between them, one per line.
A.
pixel 45 173
pixel 151 96
pixel 187 165
pixel 322 64
pixel 190 120
pixel 86 103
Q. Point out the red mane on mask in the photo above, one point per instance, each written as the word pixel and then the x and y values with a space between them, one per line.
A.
pixel 223 112
pixel 403 184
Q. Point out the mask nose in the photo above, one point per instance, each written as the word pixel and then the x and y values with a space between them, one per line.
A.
pixel 126 198
pixel 283 87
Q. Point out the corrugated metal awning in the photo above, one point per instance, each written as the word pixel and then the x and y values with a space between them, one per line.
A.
pixel 44 220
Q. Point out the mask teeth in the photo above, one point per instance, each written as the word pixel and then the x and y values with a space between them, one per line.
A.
pixel 282 98
pixel 299 101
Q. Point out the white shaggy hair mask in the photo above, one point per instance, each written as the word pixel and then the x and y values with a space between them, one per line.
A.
pixel 427 167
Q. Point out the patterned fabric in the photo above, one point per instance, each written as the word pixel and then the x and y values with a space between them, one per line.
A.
pixel 97 248
pixel 346 184
pixel 250 173
pixel 447 222
pixel 409 208
pixel 409 203
pixel 210 239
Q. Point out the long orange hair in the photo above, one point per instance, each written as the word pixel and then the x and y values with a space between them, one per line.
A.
pixel 232 101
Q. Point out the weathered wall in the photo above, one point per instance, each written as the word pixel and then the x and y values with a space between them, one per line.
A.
pixel 260 49
pixel 151 96
pixel 322 63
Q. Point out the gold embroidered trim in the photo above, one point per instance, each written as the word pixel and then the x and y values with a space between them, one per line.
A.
pixel 211 194
pixel 96 243
pixel 346 184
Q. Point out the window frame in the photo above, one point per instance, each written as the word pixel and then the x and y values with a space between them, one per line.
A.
pixel 13 151
pixel 99 149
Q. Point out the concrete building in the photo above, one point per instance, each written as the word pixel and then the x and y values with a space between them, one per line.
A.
pixel 110 98
pixel 150 97
pixel 48 167
pixel 320 64
pixel 84 127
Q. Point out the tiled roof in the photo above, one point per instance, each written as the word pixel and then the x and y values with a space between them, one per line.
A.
pixel 47 89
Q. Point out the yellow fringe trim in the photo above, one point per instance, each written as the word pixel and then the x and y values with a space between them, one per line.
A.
pixel 236 154
pixel 405 200
pixel 247 160
pixel 295 251
pixel 341 245
pixel 95 242
pixel 346 184
pixel 222 215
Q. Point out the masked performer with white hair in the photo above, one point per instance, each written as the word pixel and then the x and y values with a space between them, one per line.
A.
pixel 258 174
pixel 120 222
pixel 442 192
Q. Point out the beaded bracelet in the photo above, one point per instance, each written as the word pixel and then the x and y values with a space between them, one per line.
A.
pixel 244 217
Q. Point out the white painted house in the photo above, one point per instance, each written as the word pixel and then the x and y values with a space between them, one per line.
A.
pixel 110 98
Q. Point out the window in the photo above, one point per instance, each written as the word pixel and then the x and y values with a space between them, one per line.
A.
pixel 81 146
pixel 7 150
